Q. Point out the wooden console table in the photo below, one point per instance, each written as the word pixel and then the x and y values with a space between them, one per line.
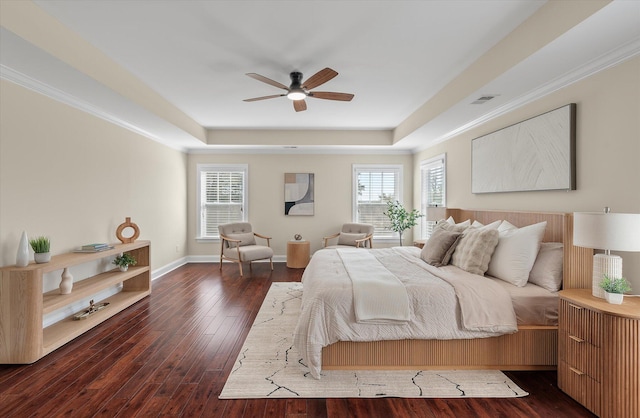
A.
pixel 23 339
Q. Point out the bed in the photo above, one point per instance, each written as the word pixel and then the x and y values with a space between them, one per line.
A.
pixel 530 345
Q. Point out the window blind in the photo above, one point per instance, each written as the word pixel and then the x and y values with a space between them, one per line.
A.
pixel 375 186
pixel 433 187
pixel 222 197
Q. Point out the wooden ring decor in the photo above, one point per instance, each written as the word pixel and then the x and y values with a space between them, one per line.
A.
pixel 127 224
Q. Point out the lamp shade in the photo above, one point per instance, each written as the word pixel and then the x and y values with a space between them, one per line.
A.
pixel 435 213
pixel 607 231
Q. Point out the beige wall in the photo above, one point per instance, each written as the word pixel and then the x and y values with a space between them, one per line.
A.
pixel 333 178
pixel 608 152
pixel 74 177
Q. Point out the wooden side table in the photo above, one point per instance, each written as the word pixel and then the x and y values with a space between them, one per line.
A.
pixel 298 254
pixel 599 353
pixel 419 243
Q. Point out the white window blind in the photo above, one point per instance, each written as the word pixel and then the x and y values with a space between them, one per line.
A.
pixel 222 197
pixel 374 186
pixel 433 189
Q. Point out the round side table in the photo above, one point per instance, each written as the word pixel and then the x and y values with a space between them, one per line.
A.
pixel 298 254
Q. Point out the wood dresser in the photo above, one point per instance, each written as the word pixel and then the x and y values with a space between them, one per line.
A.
pixel 599 353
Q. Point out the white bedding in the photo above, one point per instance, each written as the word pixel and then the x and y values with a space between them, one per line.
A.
pixel 328 316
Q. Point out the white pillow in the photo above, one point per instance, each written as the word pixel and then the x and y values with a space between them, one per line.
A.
pixel 547 270
pixel 516 252
pixel 492 225
pixel 450 221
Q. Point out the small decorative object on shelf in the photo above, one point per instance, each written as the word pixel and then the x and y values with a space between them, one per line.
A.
pixel 614 289
pixel 93 308
pixel 22 258
pixel 66 282
pixel 297 237
pixel 41 246
pixel 127 224
pixel 123 261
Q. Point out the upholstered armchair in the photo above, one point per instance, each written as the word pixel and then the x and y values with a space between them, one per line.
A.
pixel 353 235
pixel 238 245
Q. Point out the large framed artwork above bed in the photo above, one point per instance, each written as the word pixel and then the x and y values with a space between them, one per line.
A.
pixel 469 336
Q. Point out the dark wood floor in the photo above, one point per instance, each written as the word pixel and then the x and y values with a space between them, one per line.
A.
pixel 170 354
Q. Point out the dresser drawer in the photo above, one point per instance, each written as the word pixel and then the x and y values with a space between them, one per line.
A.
pixel 580 387
pixel 580 355
pixel 580 322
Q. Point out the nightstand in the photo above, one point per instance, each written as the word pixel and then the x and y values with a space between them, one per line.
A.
pixel 599 353
pixel 419 243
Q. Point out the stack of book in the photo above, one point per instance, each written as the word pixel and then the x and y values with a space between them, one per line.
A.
pixel 94 248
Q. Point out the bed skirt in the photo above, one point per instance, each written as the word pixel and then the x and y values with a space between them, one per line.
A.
pixel 531 348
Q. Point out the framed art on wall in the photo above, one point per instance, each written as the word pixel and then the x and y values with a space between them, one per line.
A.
pixel 536 154
pixel 298 193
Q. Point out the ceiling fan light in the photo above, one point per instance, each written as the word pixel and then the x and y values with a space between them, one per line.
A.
pixel 296 95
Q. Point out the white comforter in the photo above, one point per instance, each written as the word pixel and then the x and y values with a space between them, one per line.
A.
pixel 445 303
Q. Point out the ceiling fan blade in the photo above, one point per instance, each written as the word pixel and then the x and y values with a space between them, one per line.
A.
pixel 273 96
pixel 319 78
pixel 299 105
pixel 267 80
pixel 330 95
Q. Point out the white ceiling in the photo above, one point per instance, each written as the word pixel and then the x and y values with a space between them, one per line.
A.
pixel 395 56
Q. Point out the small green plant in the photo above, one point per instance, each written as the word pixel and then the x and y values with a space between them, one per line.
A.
pixel 615 285
pixel 401 220
pixel 124 260
pixel 40 244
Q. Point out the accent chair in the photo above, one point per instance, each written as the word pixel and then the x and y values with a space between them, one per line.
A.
pixel 238 245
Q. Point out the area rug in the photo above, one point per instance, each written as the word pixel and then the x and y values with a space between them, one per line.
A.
pixel 268 366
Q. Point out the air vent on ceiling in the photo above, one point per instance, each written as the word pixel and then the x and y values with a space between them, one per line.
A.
pixel 484 99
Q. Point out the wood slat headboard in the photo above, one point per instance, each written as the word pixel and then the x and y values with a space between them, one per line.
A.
pixel 577 261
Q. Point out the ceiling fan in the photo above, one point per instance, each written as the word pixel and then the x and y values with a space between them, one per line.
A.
pixel 299 90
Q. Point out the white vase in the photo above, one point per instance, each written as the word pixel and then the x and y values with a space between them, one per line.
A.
pixel 42 257
pixel 615 298
pixel 66 282
pixel 123 268
pixel 22 257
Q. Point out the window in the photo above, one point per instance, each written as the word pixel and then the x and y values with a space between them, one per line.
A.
pixel 433 188
pixel 222 197
pixel 373 187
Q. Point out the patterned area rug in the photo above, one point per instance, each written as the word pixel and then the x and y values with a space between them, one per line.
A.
pixel 268 366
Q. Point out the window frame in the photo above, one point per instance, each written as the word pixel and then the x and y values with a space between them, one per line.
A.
pixel 427 225
pixel 201 168
pixel 398 171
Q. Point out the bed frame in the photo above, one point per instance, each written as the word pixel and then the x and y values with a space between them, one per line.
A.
pixel 531 348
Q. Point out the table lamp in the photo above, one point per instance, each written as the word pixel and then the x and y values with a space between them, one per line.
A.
pixel 606 231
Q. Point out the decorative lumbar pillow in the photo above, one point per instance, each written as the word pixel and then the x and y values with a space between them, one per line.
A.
pixel 516 252
pixel 547 270
pixel 246 238
pixel 439 247
pixel 474 250
pixel 347 238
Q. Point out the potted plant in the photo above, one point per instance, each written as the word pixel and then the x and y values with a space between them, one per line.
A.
pixel 401 220
pixel 124 260
pixel 41 247
pixel 614 288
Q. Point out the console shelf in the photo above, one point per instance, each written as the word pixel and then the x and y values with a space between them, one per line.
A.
pixel 22 302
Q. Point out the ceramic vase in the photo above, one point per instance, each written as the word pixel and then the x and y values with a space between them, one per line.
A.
pixel 66 282
pixel 123 268
pixel 22 257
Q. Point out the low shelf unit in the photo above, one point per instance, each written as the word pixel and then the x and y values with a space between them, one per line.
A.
pixel 23 339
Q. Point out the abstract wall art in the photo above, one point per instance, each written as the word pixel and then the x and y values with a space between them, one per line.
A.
pixel 298 193
pixel 536 154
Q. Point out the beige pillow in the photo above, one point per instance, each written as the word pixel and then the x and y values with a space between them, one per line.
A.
pixel 447 226
pixel 516 252
pixel 474 250
pixel 547 270
pixel 246 238
pixel 439 247
pixel 346 238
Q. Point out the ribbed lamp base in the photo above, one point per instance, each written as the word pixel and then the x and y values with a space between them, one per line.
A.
pixel 611 265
